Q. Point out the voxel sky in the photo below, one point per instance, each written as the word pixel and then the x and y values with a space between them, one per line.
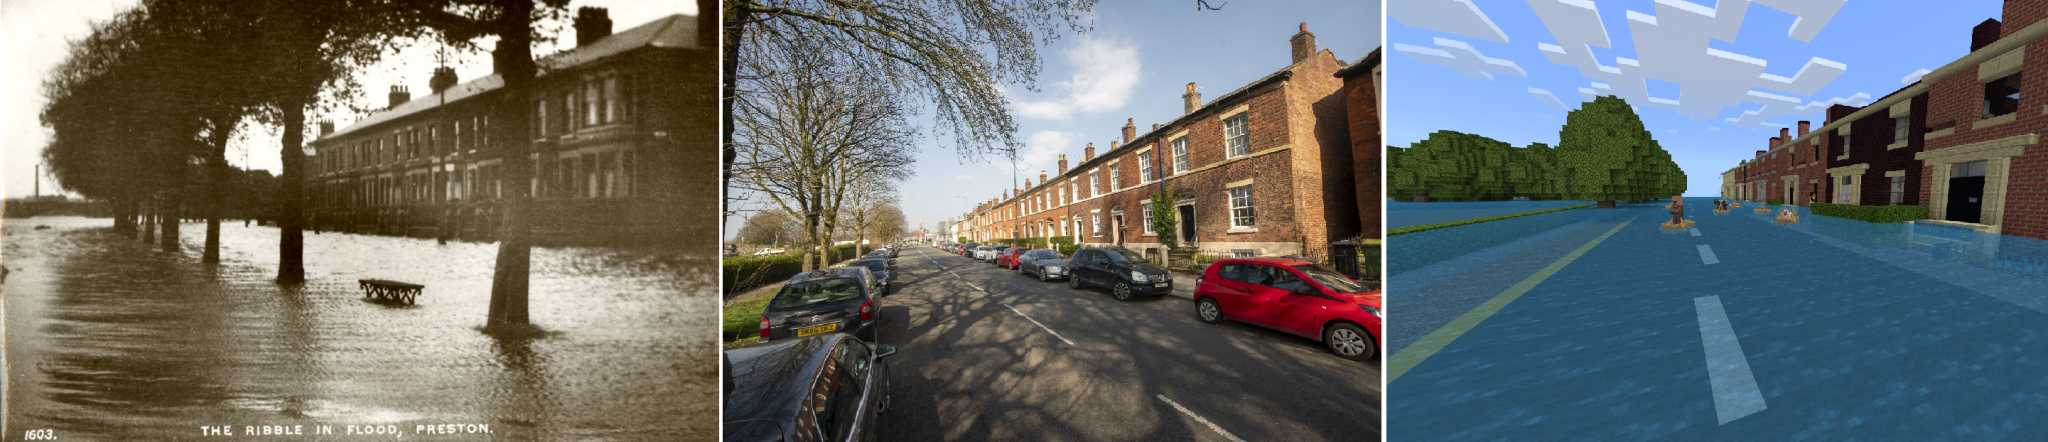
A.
pixel 1713 81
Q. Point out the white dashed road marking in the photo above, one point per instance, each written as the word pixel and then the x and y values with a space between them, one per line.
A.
pixel 1735 390
pixel 1707 255
pixel 1040 326
pixel 1198 418
pixel 1695 232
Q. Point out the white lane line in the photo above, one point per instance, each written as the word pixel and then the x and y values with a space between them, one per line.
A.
pixel 1040 326
pixel 1695 232
pixel 1198 418
pixel 1707 255
pixel 1735 390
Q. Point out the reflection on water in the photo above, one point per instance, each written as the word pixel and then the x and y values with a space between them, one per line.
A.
pixel 1409 213
pixel 109 339
pixel 2011 268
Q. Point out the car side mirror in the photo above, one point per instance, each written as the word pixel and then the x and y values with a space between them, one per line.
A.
pixel 884 351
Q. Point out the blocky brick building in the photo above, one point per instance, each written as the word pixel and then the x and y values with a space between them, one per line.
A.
pixel 612 122
pixel 1265 169
pixel 1962 141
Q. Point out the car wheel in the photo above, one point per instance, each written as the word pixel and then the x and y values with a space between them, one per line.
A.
pixel 1073 281
pixel 1122 291
pixel 1350 342
pixel 1042 275
pixel 1208 310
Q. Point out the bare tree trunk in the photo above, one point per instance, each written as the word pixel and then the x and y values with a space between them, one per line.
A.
pixel 149 220
pixel 168 242
pixel 291 247
pixel 734 17
pixel 513 60
pixel 217 183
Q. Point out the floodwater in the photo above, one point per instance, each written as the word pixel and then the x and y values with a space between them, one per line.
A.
pixel 110 339
pixel 1407 213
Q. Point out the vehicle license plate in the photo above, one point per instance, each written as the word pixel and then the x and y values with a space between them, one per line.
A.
pixel 817 329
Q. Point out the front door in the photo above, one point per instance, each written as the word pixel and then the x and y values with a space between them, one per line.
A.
pixel 1187 223
pixel 1966 192
pixel 1116 228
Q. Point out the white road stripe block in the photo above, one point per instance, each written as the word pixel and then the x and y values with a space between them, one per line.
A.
pixel 1695 232
pixel 1198 418
pixel 1040 326
pixel 1735 390
pixel 1707 255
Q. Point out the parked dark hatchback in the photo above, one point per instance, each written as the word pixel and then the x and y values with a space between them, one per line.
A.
pixel 840 299
pixel 828 387
pixel 880 267
pixel 1124 272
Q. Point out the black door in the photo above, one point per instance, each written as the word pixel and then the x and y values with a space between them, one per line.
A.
pixel 1187 224
pixel 1966 199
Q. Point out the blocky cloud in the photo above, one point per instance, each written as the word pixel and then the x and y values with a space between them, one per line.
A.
pixel 1460 17
pixel 1549 98
pixel 1462 57
pixel 1673 46
pixel 1778 106
pixel 1914 76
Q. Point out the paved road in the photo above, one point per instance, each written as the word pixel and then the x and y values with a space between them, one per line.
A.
pixel 986 354
pixel 1609 328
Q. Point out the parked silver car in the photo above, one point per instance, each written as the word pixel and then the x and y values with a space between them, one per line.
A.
pixel 1044 264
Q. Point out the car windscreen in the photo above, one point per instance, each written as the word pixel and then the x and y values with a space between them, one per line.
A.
pixel 1122 256
pixel 874 264
pixel 816 291
pixel 1041 254
pixel 1333 280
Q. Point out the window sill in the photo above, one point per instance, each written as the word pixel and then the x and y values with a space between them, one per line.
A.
pixel 1994 121
pixel 1242 230
pixel 1895 146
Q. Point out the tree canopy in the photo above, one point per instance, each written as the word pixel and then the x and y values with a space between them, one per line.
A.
pixel 1603 154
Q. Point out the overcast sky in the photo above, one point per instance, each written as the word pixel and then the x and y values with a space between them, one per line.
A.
pixel 1712 86
pixel 1134 64
pixel 34 36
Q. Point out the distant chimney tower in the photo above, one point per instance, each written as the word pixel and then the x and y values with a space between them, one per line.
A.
pixel 1088 153
pixel 1985 33
pixel 1130 130
pixel 399 95
pixel 1041 173
pixel 592 24
pixel 326 127
pixel 1784 135
pixel 1191 100
pixel 444 78
pixel 1803 125
pixel 1304 43
pixel 1063 164
pixel 1774 143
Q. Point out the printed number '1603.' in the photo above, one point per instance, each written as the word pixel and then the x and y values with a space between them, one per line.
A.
pixel 39 434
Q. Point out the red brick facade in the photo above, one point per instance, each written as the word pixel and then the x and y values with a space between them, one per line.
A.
pixel 1298 167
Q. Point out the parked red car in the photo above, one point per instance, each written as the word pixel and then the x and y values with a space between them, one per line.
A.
pixel 1008 259
pixel 1293 296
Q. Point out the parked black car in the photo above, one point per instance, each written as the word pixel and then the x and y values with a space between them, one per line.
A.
pixel 880 268
pixel 1044 264
pixel 1125 272
pixel 839 299
pixel 828 387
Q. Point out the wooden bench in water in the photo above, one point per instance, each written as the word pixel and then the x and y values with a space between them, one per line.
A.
pixel 388 290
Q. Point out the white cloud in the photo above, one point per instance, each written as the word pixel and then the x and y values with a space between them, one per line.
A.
pixel 1105 73
pixel 1549 97
pixel 1042 150
pixel 1812 15
pixel 1462 57
pixel 1914 76
pixel 1460 17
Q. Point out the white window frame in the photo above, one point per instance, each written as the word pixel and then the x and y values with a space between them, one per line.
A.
pixel 1095 223
pixel 1231 200
pixel 1095 182
pixel 1244 135
pixel 1145 216
pixel 1180 155
pixel 1144 165
pixel 1115 177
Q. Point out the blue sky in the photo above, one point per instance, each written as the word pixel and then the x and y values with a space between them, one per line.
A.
pixel 1134 64
pixel 1871 45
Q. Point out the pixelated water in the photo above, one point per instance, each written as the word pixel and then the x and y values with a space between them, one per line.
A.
pixel 1403 213
pixel 109 338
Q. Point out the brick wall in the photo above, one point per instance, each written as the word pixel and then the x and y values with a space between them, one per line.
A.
pixel 1361 109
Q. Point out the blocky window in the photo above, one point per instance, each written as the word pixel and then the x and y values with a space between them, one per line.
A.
pixel 1241 212
pixel 1180 155
pixel 2002 96
pixel 1236 137
pixel 1900 126
pixel 1898 190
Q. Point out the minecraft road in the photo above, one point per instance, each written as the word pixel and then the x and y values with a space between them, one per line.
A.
pixel 1595 323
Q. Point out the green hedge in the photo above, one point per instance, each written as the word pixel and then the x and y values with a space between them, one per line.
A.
pixel 1403 230
pixel 1875 214
pixel 1774 202
pixel 743 273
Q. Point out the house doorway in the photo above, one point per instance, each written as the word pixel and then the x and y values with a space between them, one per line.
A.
pixel 1116 228
pixel 1185 212
pixel 1966 192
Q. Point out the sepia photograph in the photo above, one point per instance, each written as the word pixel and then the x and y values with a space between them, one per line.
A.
pixel 339 219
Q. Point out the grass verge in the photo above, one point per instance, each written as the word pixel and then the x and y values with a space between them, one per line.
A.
pixel 743 320
pixel 1403 230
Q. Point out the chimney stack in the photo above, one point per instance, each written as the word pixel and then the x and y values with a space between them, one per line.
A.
pixel 1088 153
pixel 1304 43
pixel 1759 155
pixel 1041 174
pixel 593 24
pixel 1784 136
pixel 1774 143
pixel 398 96
pixel 1130 130
pixel 326 127
pixel 1155 126
pixel 443 78
pixel 1985 33
pixel 1063 164
pixel 1803 125
pixel 1191 100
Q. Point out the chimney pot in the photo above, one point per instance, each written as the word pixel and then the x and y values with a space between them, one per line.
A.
pixel 1041 175
pixel 1984 34
pixel 399 95
pixel 442 79
pixel 593 24
pixel 326 127
pixel 1803 125
pixel 1191 100
pixel 1088 153
pixel 1303 43
pixel 1063 164
pixel 1130 130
